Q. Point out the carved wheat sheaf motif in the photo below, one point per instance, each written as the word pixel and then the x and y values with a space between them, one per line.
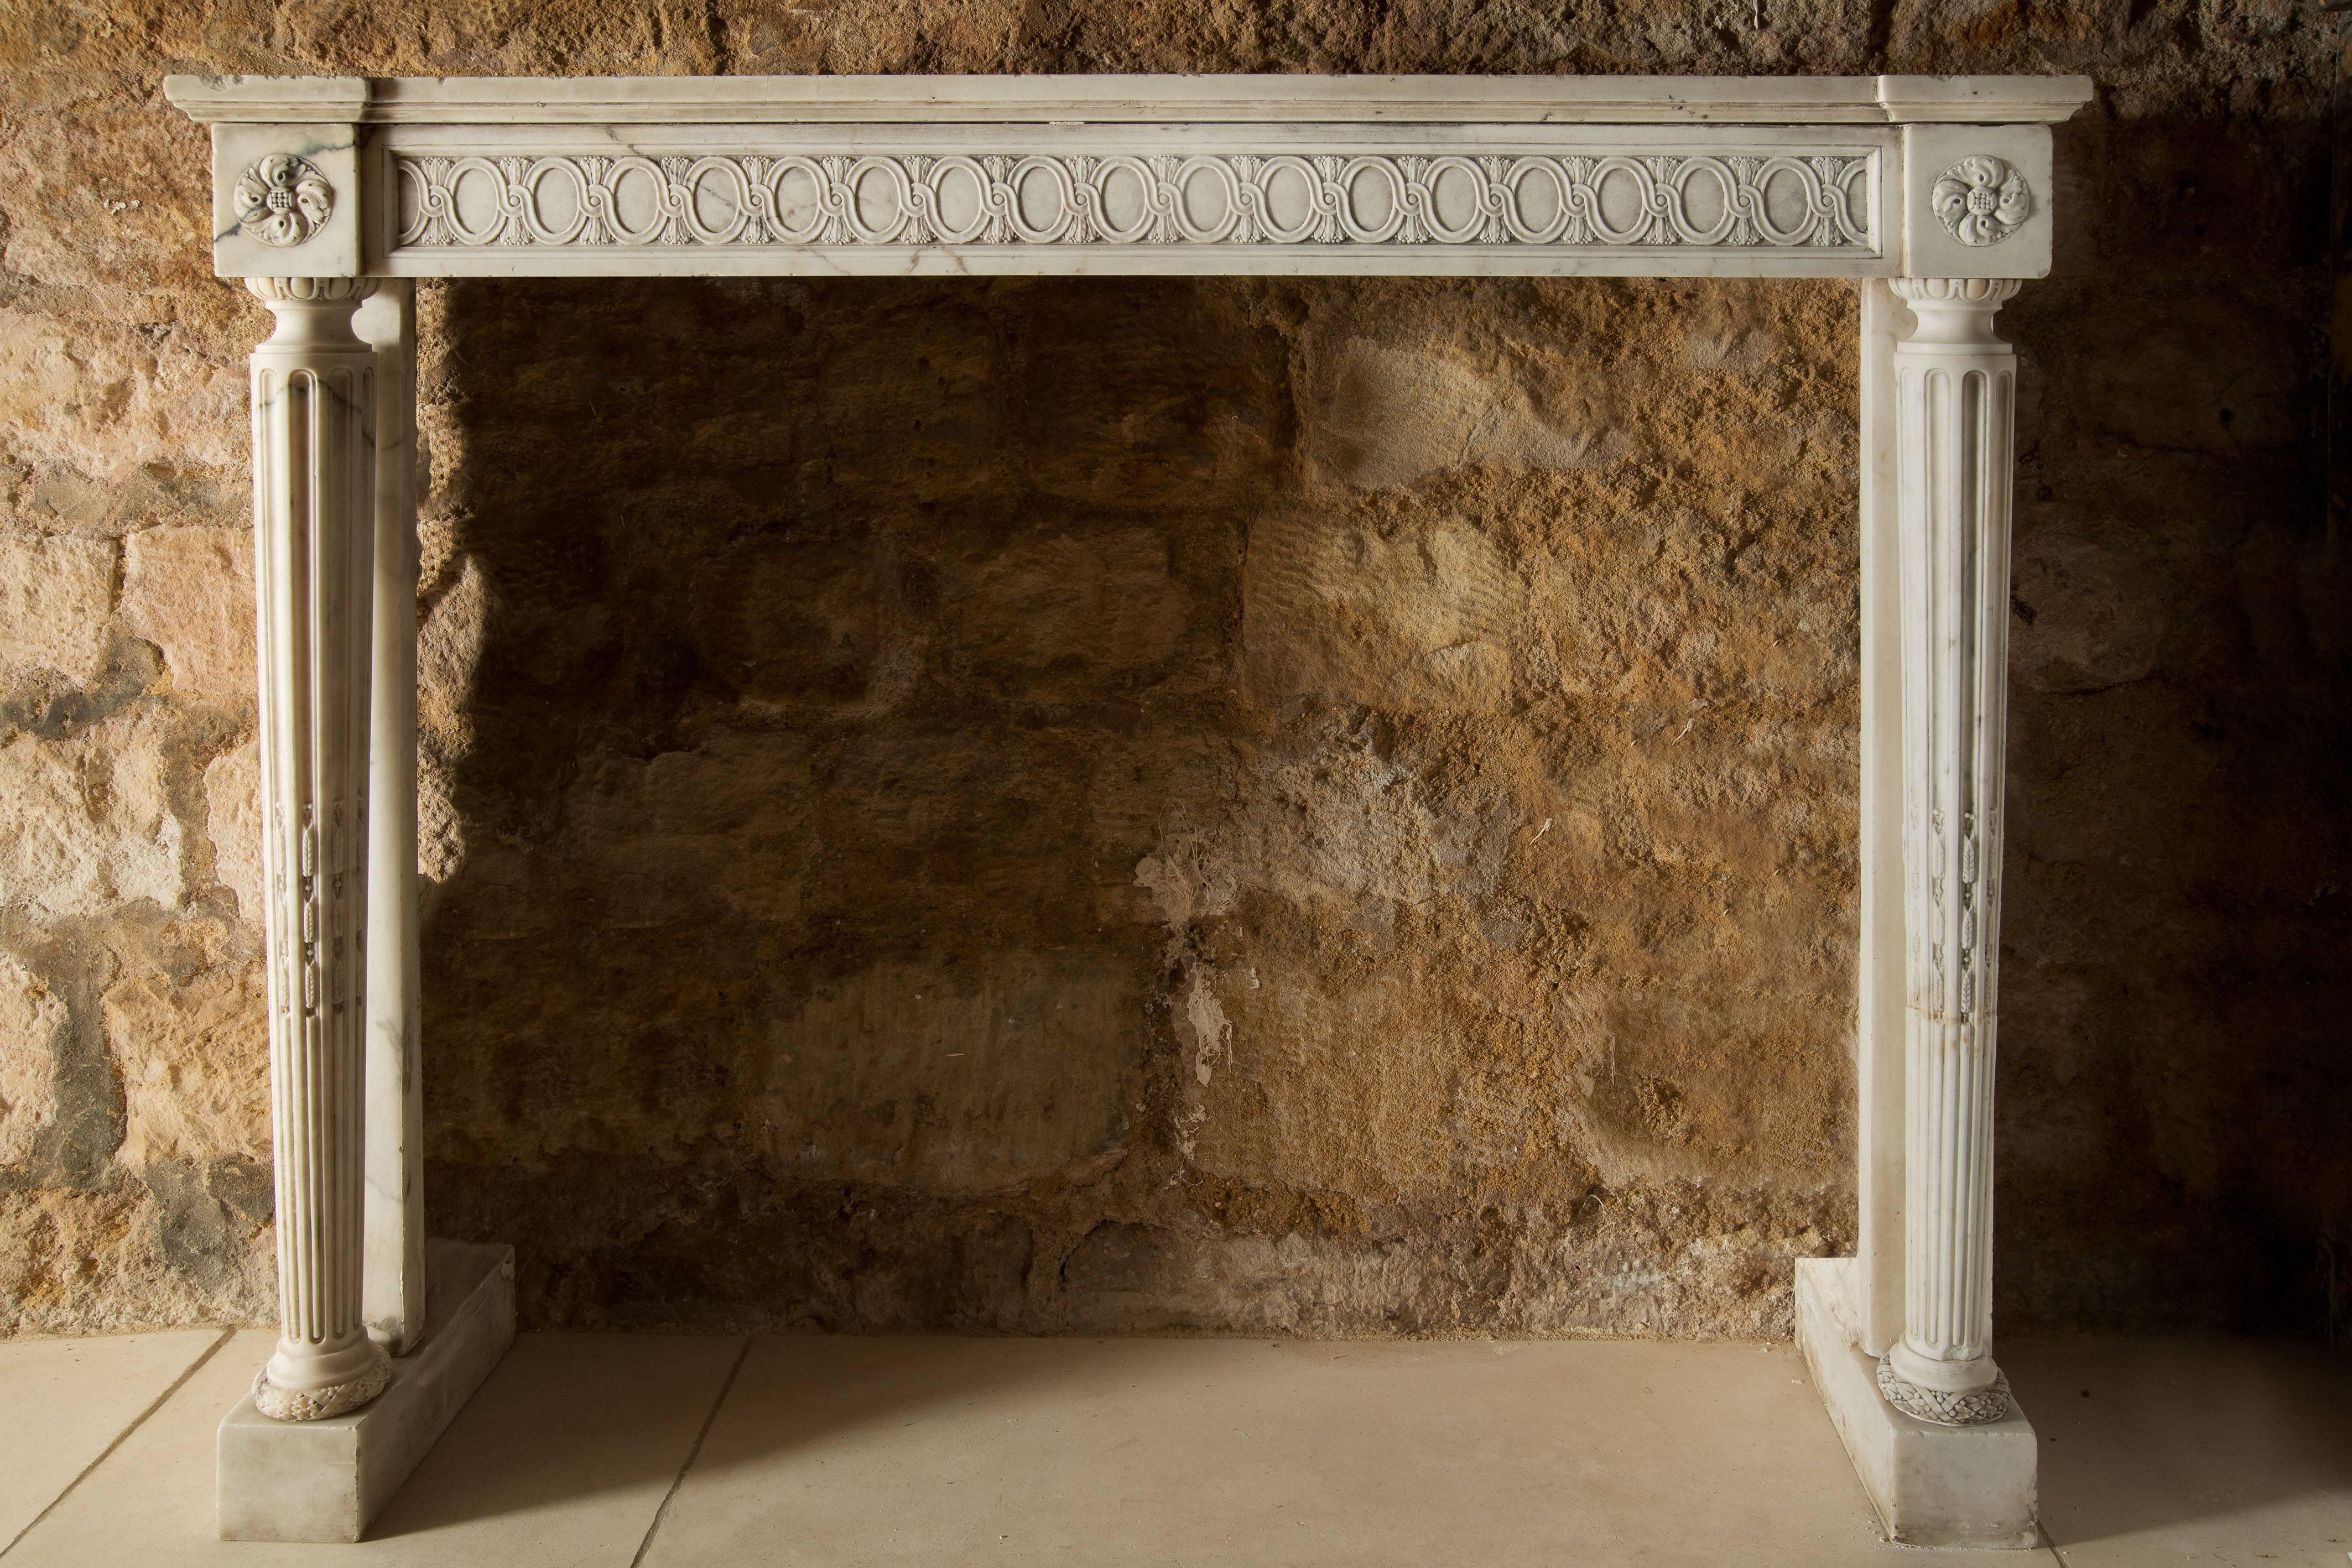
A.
pixel 1772 199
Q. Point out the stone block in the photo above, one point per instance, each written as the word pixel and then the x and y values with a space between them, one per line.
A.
pixel 1932 1486
pixel 54 594
pixel 233 822
pixel 29 1016
pixel 190 593
pixel 87 821
pixel 324 1480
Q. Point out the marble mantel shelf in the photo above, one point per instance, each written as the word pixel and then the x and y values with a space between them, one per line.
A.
pixel 1128 100
pixel 1935 194
pixel 1527 175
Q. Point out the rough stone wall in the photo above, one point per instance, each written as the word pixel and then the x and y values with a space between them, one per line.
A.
pixel 1313 807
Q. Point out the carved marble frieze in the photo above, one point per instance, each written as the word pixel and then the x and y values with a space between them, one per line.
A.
pixel 1787 199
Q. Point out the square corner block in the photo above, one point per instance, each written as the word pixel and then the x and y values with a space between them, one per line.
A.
pixel 324 1480
pixel 1931 1485
pixel 286 200
pixel 1994 220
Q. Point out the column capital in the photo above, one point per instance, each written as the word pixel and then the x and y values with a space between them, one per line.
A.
pixel 1990 293
pixel 311 313
pixel 274 291
pixel 1954 310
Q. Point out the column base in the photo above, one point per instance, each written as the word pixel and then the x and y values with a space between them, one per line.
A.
pixel 1932 1485
pixel 1975 1408
pixel 325 1481
pixel 319 1404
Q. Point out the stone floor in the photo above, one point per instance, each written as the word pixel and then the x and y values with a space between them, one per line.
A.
pixel 661 1451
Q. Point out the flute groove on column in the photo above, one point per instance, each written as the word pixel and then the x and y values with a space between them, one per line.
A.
pixel 1955 393
pixel 314 514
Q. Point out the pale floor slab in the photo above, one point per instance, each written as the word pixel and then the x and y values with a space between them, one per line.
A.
pixel 2224 1453
pixel 1147 1452
pixel 63 1401
pixel 1165 1452
pixel 561 1458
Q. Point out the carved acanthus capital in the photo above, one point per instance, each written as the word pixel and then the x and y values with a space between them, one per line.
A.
pixel 311 291
pixel 313 312
pixel 1989 292
pixel 1953 310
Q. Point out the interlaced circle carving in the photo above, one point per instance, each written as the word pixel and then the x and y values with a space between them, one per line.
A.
pixel 1773 199
pixel 282 199
pixel 1982 200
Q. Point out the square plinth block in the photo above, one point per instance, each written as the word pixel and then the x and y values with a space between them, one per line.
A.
pixel 324 1480
pixel 1932 1486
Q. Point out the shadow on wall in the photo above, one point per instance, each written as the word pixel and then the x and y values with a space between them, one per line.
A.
pixel 2175 935
pixel 1327 806
pixel 1222 806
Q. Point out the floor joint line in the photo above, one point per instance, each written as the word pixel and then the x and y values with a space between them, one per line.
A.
pixel 120 1439
pixel 692 1453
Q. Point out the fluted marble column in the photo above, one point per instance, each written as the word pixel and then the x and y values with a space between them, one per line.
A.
pixel 1955 396
pixel 314 521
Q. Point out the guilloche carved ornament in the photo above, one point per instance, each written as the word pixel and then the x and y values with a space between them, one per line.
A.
pixel 1755 197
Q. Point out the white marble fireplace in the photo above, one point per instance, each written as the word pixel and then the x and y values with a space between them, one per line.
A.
pixel 1935 194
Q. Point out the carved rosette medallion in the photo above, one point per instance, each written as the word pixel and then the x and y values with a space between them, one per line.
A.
pixel 1982 200
pixel 1974 1408
pixel 282 199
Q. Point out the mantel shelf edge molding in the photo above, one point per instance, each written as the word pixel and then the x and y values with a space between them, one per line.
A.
pixel 1934 193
